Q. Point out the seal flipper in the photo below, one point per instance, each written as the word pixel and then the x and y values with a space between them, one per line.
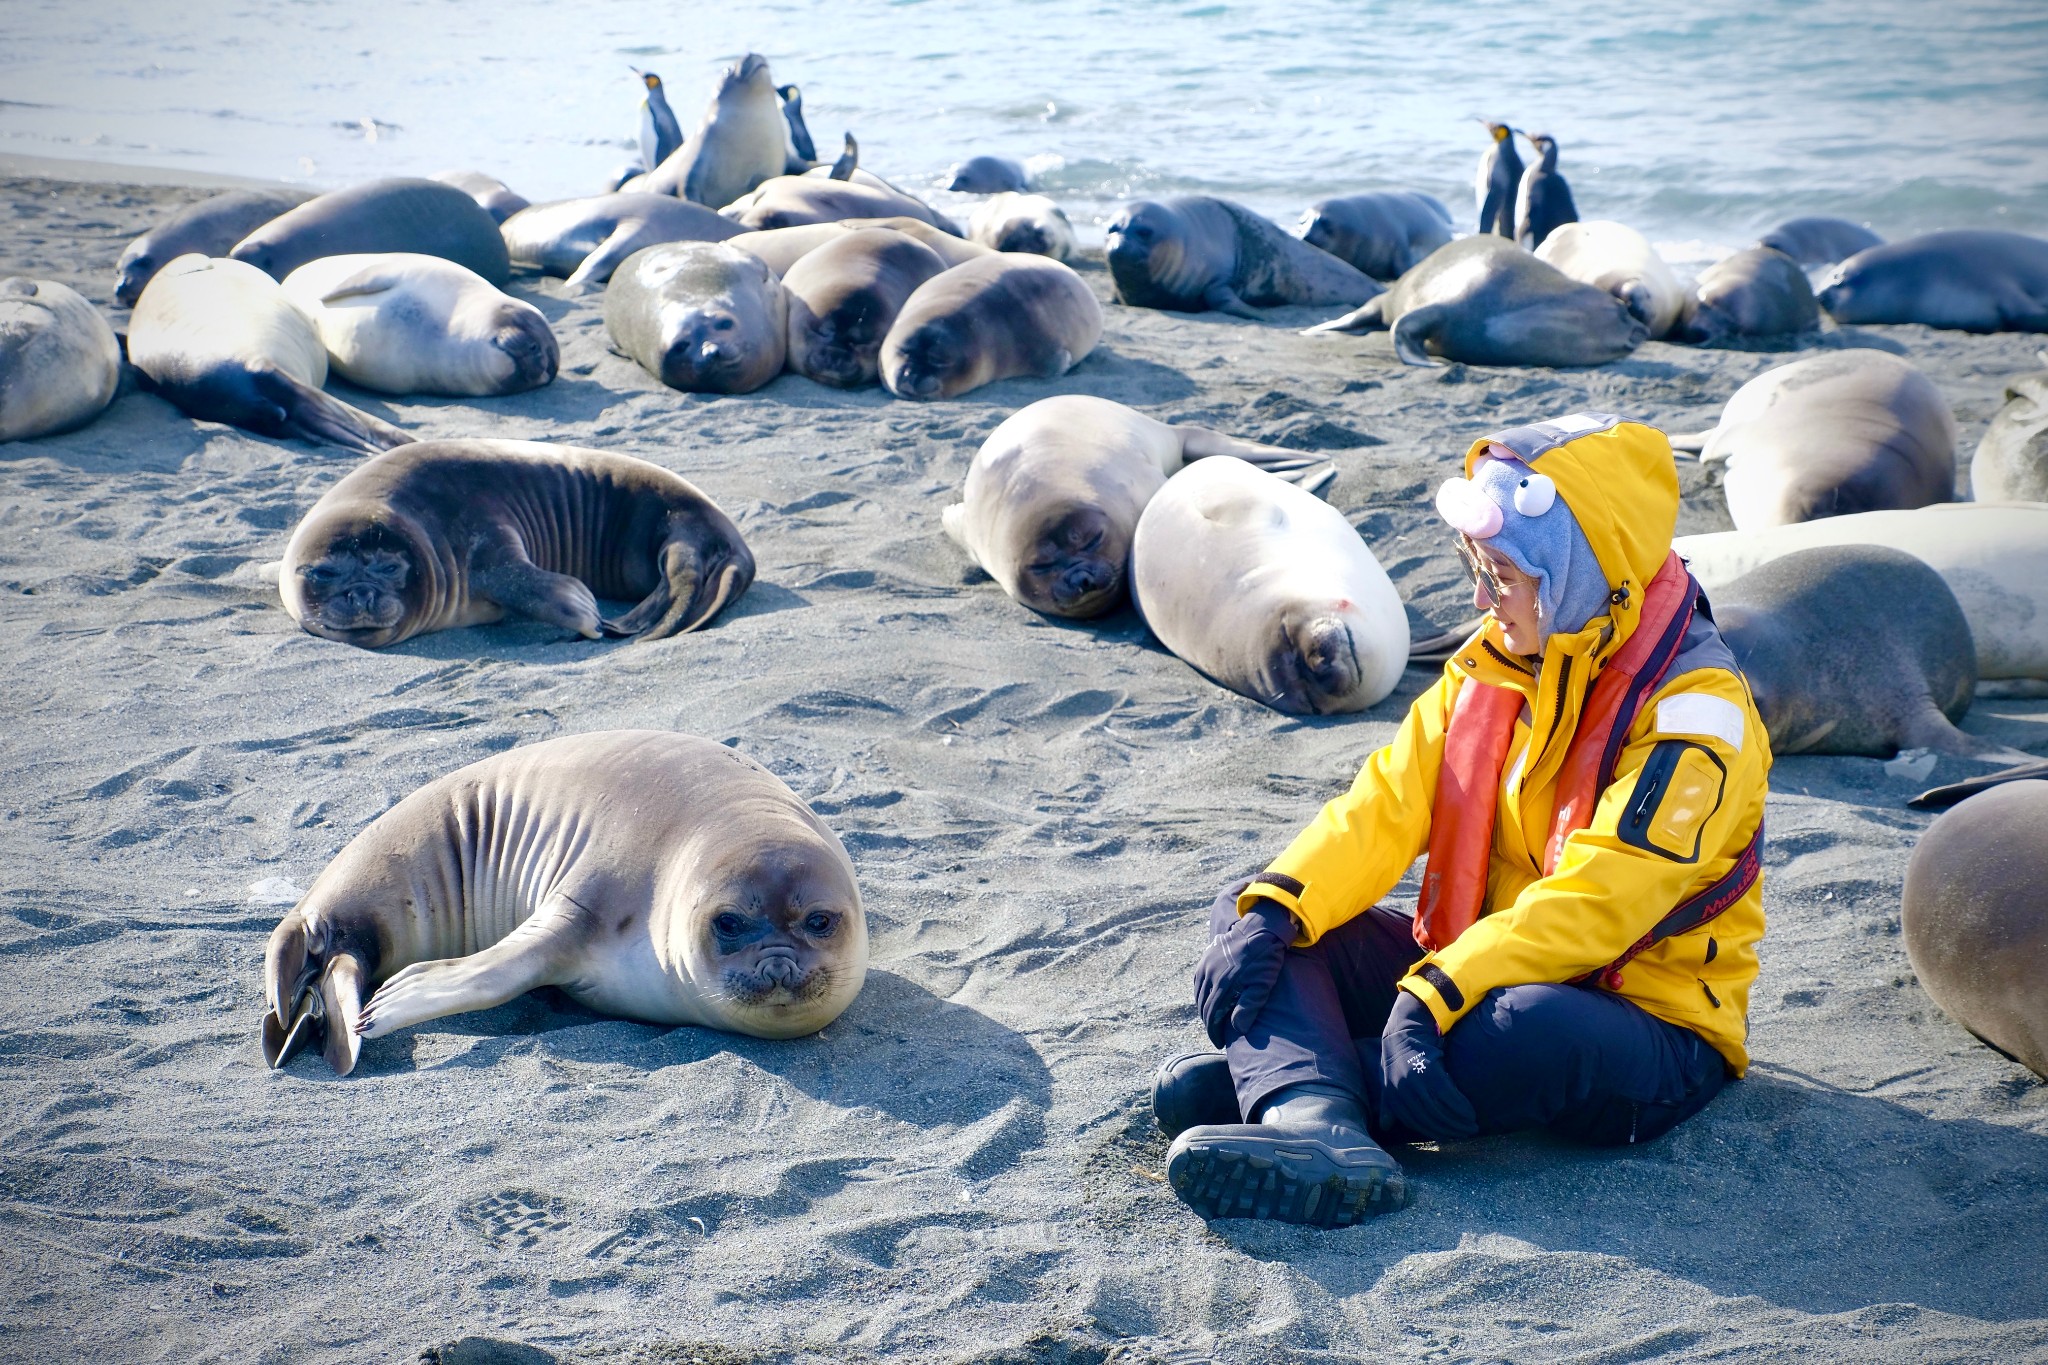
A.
pixel 1296 467
pixel 506 576
pixel 1693 443
pixel 1221 298
pixel 1941 798
pixel 341 997
pixel 954 520
pixel 1364 318
pixel 598 266
pixel 1412 331
pixel 1928 728
pixel 1436 650
pixel 537 953
pixel 312 415
pixel 689 594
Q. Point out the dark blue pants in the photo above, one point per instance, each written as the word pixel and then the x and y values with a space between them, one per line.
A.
pixel 1581 1062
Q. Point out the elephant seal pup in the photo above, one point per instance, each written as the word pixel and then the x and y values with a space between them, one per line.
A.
pixel 220 340
pixel 1385 234
pixel 1055 492
pixel 209 228
pixel 1845 431
pixel 844 297
pixel 700 316
pixel 650 875
pixel 741 141
pixel 381 215
pixel 1972 281
pixel 794 200
pixel 403 323
pixel 2012 460
pixel 585 239
pixel 1485 301
pixel 782 248
pixel 1195 253
pixel 1754 293
pixel 1819 241
pixel 1023 222
pixel 443 534
pixel 1268 590
pixel 1618 259
pixel 59 362
pixel 1993 556
pixel 1976 923
pixel 996 317
pixel 989 175
pixel 494 196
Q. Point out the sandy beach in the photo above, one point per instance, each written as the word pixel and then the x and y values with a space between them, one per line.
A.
pixel 963 1167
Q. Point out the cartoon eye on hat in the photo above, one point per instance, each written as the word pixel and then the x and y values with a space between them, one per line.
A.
pixel 1535 495
pixel 1468 510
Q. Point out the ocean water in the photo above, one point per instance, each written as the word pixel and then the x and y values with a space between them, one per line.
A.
pixel 1700 123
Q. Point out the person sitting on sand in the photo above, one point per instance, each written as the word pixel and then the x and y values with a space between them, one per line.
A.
pixel 1587 779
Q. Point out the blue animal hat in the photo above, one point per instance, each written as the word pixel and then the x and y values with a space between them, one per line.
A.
pixel 1516 511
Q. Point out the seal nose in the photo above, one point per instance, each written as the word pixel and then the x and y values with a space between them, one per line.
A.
pixel 778 965
pixel 1084 578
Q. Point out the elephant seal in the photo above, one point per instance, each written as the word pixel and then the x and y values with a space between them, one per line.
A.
pixel 988 175
pixel 1268 590
pixel 2012 460
pixel 585 239
pixel 844 297
pixel 220 340
pixel 741 141
pixel 1819 241
pixel 1975 921
pixel 1616 258
pixel 59 361
pixel 996 317
pixel 1195 253
pixel 403 323
pixel 1545 199
pixel 1497 182
pixel 1485 301
pixel 1384 234
pixel 650 875
pixel 700 316
pixel 1970 281
pixel 381 215
pixel 208 228
pixel 794 200
pixel 1993 556
pixel 782 248
pixel 441 534
pixel 1054 494
pixel 1023 222
pixel 1754 293
pixel 1846 431
pixel 492 195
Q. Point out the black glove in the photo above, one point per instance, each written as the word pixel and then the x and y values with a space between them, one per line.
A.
pixel 1235 976
pixel 1416 1090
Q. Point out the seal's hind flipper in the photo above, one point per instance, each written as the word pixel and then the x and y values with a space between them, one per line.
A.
pixel 1412 331
pixel 1310 473
pixel 1941 798
pixel 1436 650
pixel 687 598
pixel 313 415
pixel 1364 318
pixel 341 996
pixel 1692 443
pixel 1221 298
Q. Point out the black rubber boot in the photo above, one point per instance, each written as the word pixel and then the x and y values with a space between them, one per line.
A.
pixel 1308 1160
pixel 1194 1090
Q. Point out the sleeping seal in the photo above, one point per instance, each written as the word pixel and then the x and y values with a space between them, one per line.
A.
pixel 1268 590
pixel 219 339
pixel 843 298
pixel 793 200
pixel 1847 431
pixel 1384 234
pixel 403 323
pixel 782 248
pixel 1195 253
pixel 1976 922
pixel 1969 281
pixel 1819 241
pixel 996 317
pixel 381 215
pixel 741 141
pixel 651 875
pixel 585 239
pixel 2012 459
pixel 1754 293
pixel 988 175
pixel 1054 495
pixel 1023 222
pixel 493 196
pixel 209 228
pixel 1616 258
pixel 700 316
pixel 59 362
pixel 458 533
pixel 1485 301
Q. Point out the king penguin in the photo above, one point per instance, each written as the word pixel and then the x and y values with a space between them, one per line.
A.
pixel 660 134
pixel 1500 173
pixel 1546 198
pixel 803 153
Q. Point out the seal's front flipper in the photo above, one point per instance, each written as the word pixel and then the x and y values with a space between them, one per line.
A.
pixel 1221 298
pixel 598 266
pixel 506 576
pixel 538 953
pixel 313 415
pixel 1941 798
pixel 1693 443
pixel 953 520
pixel 1930 729
pixel 1365 318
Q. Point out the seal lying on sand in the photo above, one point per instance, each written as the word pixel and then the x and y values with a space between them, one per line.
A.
pixel 1618 259
pixel 656 876
pixel 1976 922
pixel 794 200
pixel 1196 253
pixel 843 298
pixel 209 228
pixel 425 216
pixel 219 339
pixel 59 362
pixel 1268 590
pixel 1485 301
pixel 988 175
pixel 1819 241
pixel 996 317
pixel 585 239
pixel 782 248
pixel 1384 234
pixel 494 196
pixel 1023 222
pixel 700 316
pixel 458 533
pixel 741 141
pixel 1754 293
pixel 1848 431
pixel 2012 460
pixel 1977 281
pixel 1054 494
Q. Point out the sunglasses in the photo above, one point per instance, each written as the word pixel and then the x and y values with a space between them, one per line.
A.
pixel 1491 585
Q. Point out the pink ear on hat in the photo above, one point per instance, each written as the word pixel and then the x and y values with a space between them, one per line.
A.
pixel 1460 503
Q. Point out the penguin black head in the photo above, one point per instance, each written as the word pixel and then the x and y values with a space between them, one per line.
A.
pixel 647 78
pixel 1501 132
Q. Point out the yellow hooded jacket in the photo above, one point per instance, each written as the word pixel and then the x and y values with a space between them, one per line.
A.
pixel 1697 749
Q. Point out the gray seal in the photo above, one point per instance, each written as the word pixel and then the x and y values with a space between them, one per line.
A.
pixel 1195 253
pixel 210 228
pixel 1485 301
pixel 443 534
pixel 700 316
pixel 1976 923
pixel 998 316
pixel 988 175
pixel 1756 292
pixel 1384 234
pixel 1971 281
pixel 741 141
pixel 2012 460
pixel 425 216
pixel 650 875
pixel 1819 241
pixel 844 297
pixel 585 239
pixel 492 195
pixel 59 362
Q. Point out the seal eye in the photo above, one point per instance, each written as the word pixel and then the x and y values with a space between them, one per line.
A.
pixel 818 923
pixel 728 924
